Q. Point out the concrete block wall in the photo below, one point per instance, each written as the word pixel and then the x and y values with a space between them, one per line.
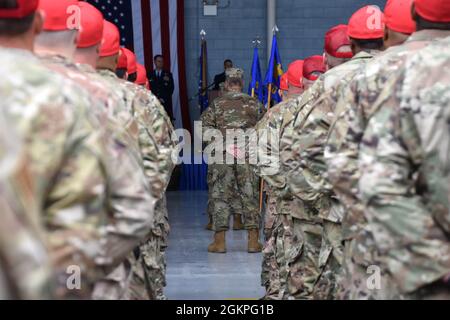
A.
pixel 302 25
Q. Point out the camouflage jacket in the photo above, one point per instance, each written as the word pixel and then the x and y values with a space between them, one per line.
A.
pixel 302 153
pixel 155 131
pixel 357 104
pixel 404 164
pixel 128 212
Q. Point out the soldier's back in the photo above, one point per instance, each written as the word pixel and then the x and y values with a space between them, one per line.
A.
pixel 237 111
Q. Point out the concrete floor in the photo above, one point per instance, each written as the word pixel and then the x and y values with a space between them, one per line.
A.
pixel 193 273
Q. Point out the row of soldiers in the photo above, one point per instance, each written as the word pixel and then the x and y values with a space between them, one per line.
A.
pixel 85 159
pixel 359 208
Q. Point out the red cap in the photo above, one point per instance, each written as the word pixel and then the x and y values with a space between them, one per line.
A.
pixel 123 61
pixel 397 14
pixel 313 64
pixel 131 59
pixel 111 40
pixel 91 25
pixel 23 9
pixel 141 75
pixel 60 15
pixel 336 38
pixel 295 74
pixel 284 82
pixel 433 10
pixel 366 23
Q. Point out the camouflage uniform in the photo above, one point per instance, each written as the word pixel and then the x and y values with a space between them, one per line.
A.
pixel 356 106
pixel 234 110
pixel 318 264
pixel 25 271
pixel 73 181
pixel 404 180
pixel 156 145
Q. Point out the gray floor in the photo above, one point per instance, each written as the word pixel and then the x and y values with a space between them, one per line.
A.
pixel 193 273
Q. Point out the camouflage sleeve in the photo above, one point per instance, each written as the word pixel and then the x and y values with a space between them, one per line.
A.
pixel 301 179
pixel 269 147
pixel 341 153
pixel 99 172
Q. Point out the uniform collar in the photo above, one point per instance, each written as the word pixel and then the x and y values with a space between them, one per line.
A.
pixel 428 35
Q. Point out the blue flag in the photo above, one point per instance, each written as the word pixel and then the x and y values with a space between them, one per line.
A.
pixel 274 72
pixel 256 87
pixel 203 83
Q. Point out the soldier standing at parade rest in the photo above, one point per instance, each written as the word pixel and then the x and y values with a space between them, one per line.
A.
pixel 234 111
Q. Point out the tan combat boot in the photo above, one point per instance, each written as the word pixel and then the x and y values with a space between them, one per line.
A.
pixel 218 246
pixel 237 222
pixel 209 226
pixel 253 241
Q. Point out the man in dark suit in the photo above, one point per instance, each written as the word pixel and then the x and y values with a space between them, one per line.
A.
pixel 220 78
pixel 162 85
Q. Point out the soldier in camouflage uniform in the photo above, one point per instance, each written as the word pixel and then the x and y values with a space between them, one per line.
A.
pixel 404 180
pixel 274 267
pixel 156 146
pixel 356 105
pixel 317 270
pixel 234 110
pixel 67 162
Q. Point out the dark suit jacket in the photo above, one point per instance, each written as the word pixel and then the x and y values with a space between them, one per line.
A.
pixel 163 87
pixel 218 79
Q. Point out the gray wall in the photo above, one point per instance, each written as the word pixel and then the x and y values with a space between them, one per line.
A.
pixel 302 25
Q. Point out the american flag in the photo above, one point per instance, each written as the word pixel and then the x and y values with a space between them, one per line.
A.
pixel 151 27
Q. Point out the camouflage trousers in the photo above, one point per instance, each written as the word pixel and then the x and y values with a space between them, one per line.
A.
pixel 274 261
pixel 303 241
pixel 234 183
pixel 149 263
pixel 330 262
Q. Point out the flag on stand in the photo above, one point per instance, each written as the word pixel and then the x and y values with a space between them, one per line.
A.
pixel 203 82
pixel 274 72
pixel 151 27
pixel 256 87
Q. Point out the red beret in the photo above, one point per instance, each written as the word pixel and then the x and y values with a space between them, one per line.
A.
pixel 433 10
pixel 366 23
pixel 131 59
pixel 23 9
pixel 123 61
pixel 295 74
pixel 141 75
pixel 111 40
pixel 91 25
pixel 284 82
pixel 397 14
pixel 60 15
pixel 313 64
pixel 336 38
